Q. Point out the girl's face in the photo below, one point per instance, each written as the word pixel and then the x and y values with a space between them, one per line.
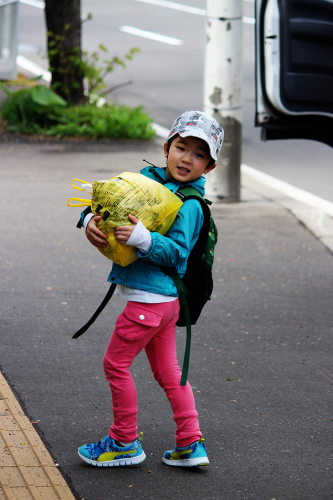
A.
pixel 187 159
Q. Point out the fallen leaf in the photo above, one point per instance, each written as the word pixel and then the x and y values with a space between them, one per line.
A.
pixel 228 379
pixel 233 362
pixel 22 442
pixel 131 485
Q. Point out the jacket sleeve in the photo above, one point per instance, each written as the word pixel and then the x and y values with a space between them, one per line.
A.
pixel 83 214
pixel 175 247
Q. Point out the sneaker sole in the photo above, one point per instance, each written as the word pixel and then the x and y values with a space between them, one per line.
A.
pixel 189 462
pixel 115 463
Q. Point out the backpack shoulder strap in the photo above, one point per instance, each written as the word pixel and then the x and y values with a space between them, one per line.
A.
pixel 190 193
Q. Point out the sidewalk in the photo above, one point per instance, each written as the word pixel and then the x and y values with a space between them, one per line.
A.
pixel 27 471
pixel 261 360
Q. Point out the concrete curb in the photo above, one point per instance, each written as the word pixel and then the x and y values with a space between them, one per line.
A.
pixel 312 211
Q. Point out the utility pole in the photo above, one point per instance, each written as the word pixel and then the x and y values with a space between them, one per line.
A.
pixel 223 93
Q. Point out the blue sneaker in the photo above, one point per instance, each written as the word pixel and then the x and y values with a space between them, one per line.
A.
pixel 106 453
pixel 187 456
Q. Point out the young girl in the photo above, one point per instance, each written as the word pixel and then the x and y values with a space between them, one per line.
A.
pixel 149 318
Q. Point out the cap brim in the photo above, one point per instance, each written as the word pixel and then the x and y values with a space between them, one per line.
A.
pixel 197 132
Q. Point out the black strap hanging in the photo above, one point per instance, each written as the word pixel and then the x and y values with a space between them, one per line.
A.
pixel 97 312
pixel 182 291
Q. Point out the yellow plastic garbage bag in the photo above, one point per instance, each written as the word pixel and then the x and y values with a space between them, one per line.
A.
pixel 128 193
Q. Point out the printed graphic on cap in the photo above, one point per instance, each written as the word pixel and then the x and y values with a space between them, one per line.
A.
pixel 199 124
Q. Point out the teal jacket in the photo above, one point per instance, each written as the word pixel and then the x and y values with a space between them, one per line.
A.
pixel 173 249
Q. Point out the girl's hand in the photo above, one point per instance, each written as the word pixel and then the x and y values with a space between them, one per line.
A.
pixel 94 235
pixel 123 233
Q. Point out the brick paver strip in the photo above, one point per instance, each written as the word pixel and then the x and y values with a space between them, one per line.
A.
pixel 27 470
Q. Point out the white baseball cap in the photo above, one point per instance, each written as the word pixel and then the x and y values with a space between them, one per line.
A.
pixel 199 124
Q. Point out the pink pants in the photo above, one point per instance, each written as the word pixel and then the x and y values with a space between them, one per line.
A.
pixel 152 327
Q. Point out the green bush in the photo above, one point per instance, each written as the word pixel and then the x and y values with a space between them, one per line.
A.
pixel 31 110
pixel 108 121
pixel 39 110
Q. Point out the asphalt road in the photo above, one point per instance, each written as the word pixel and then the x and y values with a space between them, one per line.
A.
pixel 261 362
pixel 168 79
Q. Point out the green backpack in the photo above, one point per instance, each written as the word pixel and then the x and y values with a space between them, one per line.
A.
pixel 196 286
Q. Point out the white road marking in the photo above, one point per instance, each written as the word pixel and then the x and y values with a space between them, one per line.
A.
pixel 151 35
pixel 288 190
pixel 191 10
pixel 30 66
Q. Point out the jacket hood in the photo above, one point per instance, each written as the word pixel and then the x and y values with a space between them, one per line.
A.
pixel 159 174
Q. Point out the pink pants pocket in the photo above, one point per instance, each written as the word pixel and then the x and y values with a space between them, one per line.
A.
pixel 136 321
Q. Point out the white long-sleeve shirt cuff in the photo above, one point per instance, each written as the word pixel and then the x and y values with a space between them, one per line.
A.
pixel 87 219
pixel 140 238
